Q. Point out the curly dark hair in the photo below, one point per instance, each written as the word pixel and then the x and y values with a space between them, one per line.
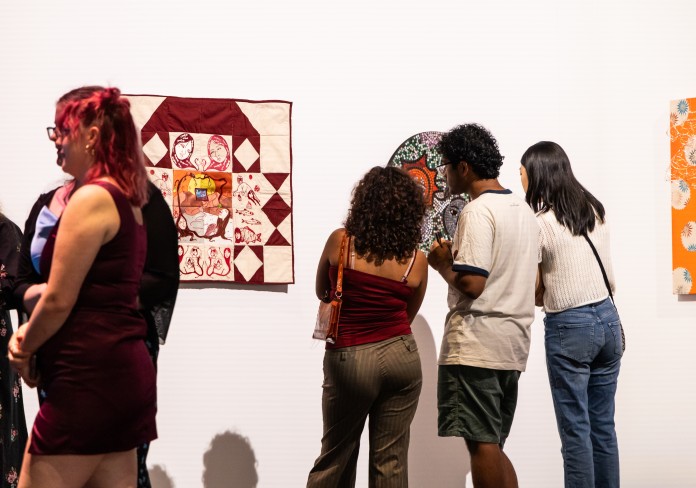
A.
pixel 385 216
pixel 475 145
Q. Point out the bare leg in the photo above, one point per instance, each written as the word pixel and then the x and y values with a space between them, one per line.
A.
pixel 511 475
pixel 117 470
pixel 490 467
pixel 113 470
pixel 56 471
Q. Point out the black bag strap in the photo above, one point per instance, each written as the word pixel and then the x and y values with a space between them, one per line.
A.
pixel 601 266
pixel 606 282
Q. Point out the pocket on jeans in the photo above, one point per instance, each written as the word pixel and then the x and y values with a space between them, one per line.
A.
pixel 576 340
pixel 615 328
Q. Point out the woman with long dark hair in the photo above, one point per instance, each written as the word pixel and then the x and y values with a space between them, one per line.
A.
pixel 583 334
pixel 84 343
pixel 373 370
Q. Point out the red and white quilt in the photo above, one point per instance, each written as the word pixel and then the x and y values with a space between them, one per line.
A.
pixel 224 167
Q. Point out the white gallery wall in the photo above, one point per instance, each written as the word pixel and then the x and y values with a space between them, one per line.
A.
pixel 594 76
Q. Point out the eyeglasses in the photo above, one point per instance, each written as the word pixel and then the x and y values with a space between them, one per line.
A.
pixel 442 168
pixel 54 132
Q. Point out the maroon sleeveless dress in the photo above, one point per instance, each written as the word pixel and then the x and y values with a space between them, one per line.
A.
pixel 97 375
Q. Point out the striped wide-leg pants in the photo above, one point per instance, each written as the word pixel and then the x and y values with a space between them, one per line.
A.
pixel 381 380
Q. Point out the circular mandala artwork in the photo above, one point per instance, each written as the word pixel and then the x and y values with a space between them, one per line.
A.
pixel 418 156
pixel 450 214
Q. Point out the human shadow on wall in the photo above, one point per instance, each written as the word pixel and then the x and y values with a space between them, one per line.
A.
pixel 432 460
pixel 229 462
pixel 159 477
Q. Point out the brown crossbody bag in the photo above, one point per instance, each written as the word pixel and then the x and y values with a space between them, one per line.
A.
pixel 326 326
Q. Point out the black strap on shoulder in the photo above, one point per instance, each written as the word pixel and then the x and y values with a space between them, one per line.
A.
pixel 601 266
pixel 606 282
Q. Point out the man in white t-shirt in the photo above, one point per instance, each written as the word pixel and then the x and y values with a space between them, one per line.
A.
pixel 490 266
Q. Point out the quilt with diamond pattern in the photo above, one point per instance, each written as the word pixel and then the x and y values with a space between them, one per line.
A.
pixel 224 166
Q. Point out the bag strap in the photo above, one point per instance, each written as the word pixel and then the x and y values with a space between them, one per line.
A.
pixel 351 259
pixel 601 266
pixel 339 278
pixel 606 282
pixel 410 267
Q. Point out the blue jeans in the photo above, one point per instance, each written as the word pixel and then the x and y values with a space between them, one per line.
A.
pixel 583 357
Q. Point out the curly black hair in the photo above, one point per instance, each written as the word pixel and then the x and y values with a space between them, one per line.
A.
pixel 475 145
pixel 385 216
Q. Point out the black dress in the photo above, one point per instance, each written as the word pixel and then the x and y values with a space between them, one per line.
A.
pixel 13 430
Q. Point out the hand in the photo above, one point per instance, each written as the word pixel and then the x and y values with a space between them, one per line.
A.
pixel 440 255
pixel 18 358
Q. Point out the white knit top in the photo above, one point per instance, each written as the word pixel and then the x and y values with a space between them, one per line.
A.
pixel 570 272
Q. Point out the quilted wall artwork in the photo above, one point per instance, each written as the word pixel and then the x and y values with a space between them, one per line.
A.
pixel 682 133
pixel 224 167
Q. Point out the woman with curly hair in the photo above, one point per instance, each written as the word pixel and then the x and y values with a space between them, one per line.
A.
pixel 374 368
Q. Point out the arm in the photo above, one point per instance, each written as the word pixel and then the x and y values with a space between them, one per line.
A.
pixel 420 269
pixel 466 269
pixel 539 289
pixel 328 256
pixel 88 222
pixel 441 260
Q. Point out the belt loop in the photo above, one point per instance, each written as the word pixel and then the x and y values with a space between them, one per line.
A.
pixel 344 355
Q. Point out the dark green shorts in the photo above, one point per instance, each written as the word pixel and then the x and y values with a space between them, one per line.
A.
pixel 477 404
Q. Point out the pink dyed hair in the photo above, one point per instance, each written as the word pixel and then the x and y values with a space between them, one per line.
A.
pixel 117 153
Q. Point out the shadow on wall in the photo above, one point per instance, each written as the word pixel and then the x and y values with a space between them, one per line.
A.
pixel 229 461
pixel 159 477
pixel 430 457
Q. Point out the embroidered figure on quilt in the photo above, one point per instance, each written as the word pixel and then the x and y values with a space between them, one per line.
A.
pixel 245 191
pixel 219 154
pixel 192 263
pixel 246 235
pixel 218 265
pixel 161 181
pixel 202 211
pixel 182 151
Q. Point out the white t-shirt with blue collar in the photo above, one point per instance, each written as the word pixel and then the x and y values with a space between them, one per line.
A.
pixel 497 237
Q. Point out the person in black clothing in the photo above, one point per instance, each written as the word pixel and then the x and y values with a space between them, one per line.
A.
pixel 13 430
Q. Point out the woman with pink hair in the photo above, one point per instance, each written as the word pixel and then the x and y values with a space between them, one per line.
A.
pixel 84 343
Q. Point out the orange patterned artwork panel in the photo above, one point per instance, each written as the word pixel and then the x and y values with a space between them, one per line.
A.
pixel 682 131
